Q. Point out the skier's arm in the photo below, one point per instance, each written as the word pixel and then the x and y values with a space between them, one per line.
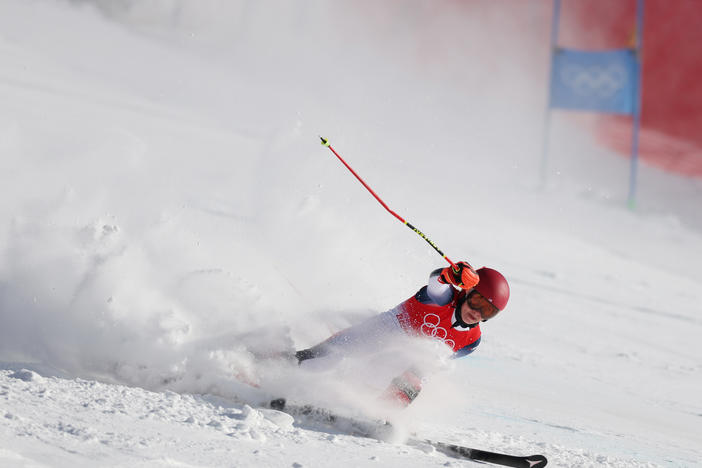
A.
pixel 466 350
pixel 439 292
pixel 442 282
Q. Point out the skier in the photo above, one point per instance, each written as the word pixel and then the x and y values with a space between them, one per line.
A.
pixel 449 309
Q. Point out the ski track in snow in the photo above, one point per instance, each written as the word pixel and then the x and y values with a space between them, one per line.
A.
pixel 80 423
pixel 168 212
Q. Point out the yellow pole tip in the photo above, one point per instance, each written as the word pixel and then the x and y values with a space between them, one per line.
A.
pixel 325 142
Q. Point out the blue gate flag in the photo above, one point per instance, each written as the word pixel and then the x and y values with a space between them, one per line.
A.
pixel 601 81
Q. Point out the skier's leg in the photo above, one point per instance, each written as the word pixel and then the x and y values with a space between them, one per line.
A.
pixel 404 388
pixel 370 334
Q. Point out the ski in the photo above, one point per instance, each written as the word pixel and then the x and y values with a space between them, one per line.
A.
pixel 458 451
pixel 383 430
pixel 315 415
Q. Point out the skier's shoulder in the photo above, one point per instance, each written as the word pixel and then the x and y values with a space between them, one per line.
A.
pixel 423 296
pixel 428 296
pixel 436 292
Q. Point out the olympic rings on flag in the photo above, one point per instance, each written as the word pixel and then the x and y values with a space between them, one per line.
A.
pixel 596 81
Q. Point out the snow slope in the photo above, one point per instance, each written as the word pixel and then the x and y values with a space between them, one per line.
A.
pixel 167 204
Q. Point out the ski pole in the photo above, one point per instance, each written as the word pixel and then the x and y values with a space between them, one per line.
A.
pixel 325 142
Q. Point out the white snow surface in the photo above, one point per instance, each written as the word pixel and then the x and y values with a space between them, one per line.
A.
pixel 168 210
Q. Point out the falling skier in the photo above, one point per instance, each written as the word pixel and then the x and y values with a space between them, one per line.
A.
pixel 449 309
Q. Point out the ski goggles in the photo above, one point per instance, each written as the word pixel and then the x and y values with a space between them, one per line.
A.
pixel 478 302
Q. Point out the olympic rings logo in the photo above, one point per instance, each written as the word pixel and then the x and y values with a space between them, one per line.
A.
pixel 599 81
pixel 431 329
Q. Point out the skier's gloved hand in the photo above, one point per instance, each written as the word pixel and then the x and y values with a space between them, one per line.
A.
pixel 464 276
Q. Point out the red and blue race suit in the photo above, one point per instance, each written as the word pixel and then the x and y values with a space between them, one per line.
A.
pixel 420 315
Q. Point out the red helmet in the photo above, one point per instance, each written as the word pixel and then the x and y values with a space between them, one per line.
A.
pixel 493 286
